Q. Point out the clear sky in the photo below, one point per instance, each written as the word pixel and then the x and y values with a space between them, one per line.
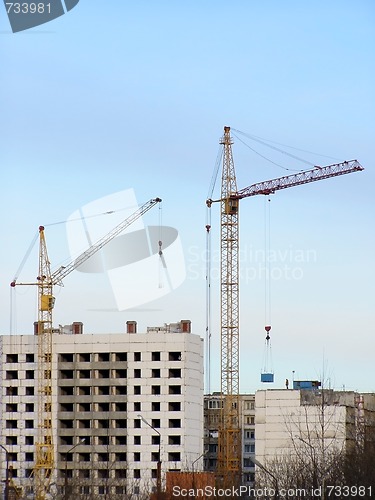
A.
pixel 119 95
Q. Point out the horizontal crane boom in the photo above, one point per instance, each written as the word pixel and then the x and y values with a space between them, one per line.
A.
pixel 315 174
pixel 63 271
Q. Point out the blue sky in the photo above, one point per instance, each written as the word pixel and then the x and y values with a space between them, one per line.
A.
pixel 117 95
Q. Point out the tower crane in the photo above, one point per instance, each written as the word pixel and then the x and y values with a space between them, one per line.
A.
pixel 229 442
pixel 44 462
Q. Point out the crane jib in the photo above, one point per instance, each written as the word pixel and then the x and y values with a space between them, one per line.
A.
pixel 63 271
pixel 304 177
pixel 315 174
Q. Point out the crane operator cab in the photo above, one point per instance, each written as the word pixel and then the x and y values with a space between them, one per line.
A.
pixel 47 302
pixel 231 206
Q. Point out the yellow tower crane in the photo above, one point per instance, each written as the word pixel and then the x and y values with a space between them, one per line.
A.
pixel 229 443
pixel 45 452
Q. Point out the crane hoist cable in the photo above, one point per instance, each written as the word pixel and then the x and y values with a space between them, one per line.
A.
pixel 267 374
pixel 208 305
pixel 162 262
pixel 267 260
pixel 209 272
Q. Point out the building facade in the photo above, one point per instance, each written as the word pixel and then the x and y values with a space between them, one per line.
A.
pixel 212 408
pixel 323 420
pixel 123 405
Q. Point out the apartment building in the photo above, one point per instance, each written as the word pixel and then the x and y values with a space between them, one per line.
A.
pixel 212 407
pixel 309 417
pixel 123 404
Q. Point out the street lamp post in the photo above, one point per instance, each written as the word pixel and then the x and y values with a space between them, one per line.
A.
pixel 6 494
pixel 193 470
pixel 261 466
pixel 66 467
pixel 158 471
pixel 196 460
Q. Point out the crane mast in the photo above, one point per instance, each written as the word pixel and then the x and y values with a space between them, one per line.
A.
pixel 229 439
pixel 44 463
pixel 229 443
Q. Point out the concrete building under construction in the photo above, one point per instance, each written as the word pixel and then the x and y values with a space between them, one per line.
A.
pixel 123 405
